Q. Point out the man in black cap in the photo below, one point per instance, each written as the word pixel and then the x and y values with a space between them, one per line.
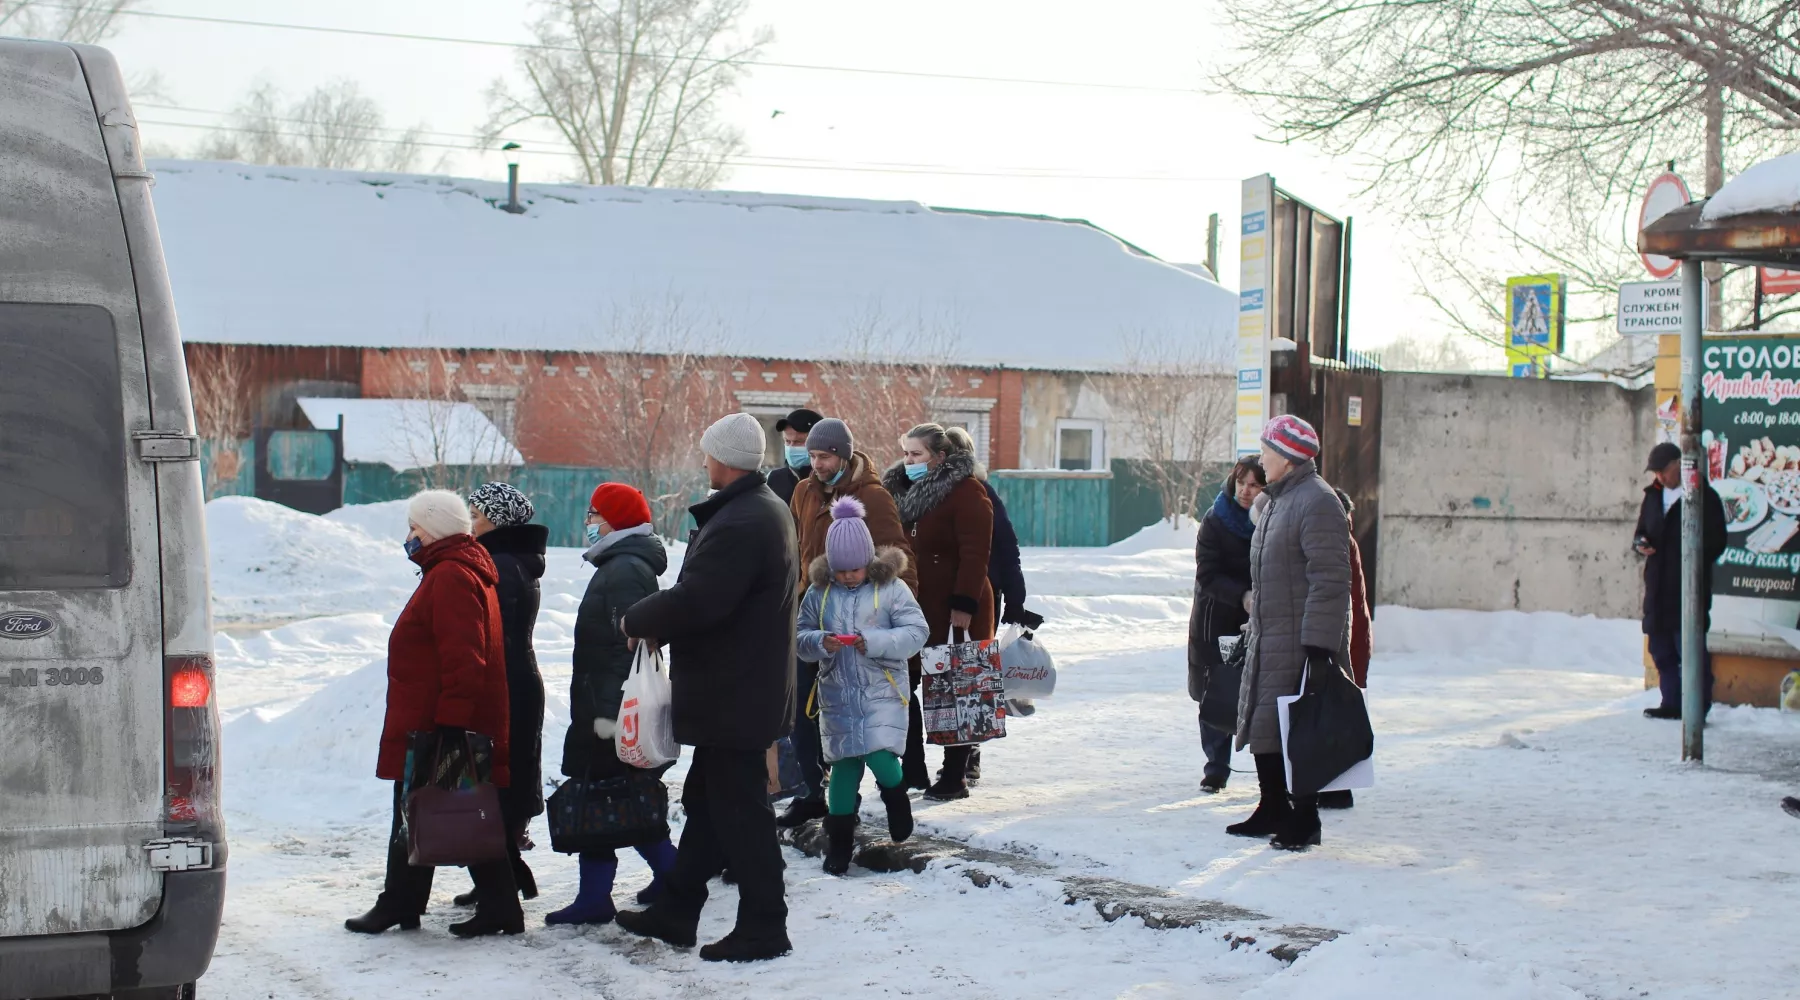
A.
pixel 793 429
pixel 1658 540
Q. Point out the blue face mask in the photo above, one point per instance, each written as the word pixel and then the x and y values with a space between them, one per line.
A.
pixel 593 534
pixel 916 472
pixel 797 457
pixel 412 546
pixel 833 481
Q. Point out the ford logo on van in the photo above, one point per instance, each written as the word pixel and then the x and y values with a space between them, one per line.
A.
pixel 25 625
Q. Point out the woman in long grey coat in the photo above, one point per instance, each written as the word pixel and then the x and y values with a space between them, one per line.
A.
pixel 1300 615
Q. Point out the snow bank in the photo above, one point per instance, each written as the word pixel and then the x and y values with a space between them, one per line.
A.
pixel 385 521
pixel 1540 638
pixel 1769 186
pixel 336 731
pixel 272 563
pixel 1158 537
pixel 1383 964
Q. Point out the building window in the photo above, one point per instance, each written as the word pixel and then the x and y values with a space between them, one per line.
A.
pixel 1080 445
pixel 498 403
pixel 977 426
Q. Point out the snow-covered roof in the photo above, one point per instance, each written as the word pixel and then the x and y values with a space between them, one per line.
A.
pixel 413 433
pixel 267 255
pixel 1769 186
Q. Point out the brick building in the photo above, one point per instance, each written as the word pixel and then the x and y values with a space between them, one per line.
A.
pixel 598 310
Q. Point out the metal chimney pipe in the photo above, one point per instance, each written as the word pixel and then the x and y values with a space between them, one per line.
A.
pixel 512 205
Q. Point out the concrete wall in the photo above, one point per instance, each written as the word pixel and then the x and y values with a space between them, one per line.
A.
pixel 1500 493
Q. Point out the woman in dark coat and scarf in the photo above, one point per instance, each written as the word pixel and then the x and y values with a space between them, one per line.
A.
pixel 627 558
pixel 446 672
pixel 949 522
pixel 1221 599
pixel 498 515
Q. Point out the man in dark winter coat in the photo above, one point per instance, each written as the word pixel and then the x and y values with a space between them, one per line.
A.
pixel 797 461
pixel 499 516
pixel 1658 540
pixel 729 622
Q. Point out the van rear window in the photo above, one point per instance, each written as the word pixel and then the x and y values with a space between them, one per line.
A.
pixel 62 449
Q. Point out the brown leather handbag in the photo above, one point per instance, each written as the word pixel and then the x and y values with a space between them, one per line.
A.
pixel 455 822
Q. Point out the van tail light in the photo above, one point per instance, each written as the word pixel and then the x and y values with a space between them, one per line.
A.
pixel 191 747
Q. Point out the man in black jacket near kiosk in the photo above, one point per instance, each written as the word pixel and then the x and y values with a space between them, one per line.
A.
pixel 1658 539
pixel 793 429
pixel 729 623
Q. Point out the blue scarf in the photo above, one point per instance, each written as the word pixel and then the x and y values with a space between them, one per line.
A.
pixel 1235 518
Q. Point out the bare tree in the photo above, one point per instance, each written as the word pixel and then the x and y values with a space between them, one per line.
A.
pixel 219 378
pixel 1179 405
pixel 1541 112
pixel 633 86
pixel 886 378
pixel 336 126
pixel 84 21
pixel 653 382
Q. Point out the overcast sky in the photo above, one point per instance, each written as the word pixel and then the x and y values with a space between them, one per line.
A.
pixel 1145 164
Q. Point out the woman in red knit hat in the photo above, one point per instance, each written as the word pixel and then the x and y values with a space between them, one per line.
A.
pixel 627 558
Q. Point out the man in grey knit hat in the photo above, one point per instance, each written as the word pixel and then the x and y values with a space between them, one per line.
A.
pixel 729 624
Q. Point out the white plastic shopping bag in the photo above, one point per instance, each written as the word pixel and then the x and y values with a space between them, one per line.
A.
pixel 646 735
pixel 1026 669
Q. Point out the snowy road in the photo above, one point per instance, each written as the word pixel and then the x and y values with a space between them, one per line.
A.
pixel 1531 837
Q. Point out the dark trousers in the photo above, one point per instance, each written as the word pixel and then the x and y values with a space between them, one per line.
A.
pixel 407 888
pixel 1216 744
pixel 729 825
pixel 1665 651
pixel 912 763
pixel 809 752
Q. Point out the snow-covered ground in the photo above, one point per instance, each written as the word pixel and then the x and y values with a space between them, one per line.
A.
pixel 1532 837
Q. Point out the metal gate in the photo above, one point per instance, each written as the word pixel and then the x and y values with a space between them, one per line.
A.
pixel 1345 407
pixel 301 469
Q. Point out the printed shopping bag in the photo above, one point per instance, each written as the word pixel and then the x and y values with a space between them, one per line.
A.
pixel 1026 669
pixel 1326 740
pixel 962 697
pixel 646 735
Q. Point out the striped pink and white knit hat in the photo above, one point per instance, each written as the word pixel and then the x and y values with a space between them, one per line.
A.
pixel 1294 438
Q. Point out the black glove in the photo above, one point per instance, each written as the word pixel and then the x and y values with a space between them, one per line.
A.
pixel 1021 617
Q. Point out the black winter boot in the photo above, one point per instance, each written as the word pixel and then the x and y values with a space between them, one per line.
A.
pixel 800 810
pixel 378 920
pixel 1273 810
pixel 899 810
pixel 1301 828
pixel 840 833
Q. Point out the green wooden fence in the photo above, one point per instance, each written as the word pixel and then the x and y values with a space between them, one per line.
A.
pixel 1047 507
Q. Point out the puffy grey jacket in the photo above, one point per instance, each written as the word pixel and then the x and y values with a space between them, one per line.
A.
pixel 1300 578
pixel 861 700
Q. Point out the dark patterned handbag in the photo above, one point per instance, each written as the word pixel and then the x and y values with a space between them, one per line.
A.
pixel 604 814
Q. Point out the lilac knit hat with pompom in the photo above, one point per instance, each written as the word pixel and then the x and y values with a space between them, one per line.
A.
pixel 848 544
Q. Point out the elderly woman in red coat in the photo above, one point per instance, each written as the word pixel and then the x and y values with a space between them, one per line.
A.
pixel 446 672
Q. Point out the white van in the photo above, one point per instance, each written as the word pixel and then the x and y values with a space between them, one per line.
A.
pixel 112 847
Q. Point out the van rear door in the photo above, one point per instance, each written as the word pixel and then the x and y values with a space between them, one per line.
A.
pixel 81 644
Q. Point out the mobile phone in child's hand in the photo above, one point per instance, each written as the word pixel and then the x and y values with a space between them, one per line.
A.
pixel 847 639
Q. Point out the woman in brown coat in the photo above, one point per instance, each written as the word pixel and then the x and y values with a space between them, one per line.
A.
pixel 949 523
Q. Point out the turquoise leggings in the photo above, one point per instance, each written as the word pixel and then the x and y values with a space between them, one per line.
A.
pixel 847 775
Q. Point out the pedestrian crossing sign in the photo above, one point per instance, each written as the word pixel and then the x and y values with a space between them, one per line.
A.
pixel 1534 323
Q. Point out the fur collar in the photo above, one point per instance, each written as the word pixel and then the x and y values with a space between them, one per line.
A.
pixel 887 566
pixel 915 500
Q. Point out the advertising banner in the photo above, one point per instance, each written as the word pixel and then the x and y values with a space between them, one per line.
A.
pixel 1750 391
